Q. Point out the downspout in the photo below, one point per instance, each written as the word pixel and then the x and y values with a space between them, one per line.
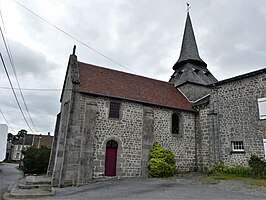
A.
pixel 214 133
pixel 196 140
pixel 218 124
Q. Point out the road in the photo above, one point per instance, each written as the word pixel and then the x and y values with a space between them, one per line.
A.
pixel 138 188
pixel 8 174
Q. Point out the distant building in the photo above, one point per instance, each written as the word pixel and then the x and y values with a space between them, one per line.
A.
pixel 43 141
pixel 30 140
pixel 109 119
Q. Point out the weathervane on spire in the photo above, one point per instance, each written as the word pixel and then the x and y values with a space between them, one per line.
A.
pixel 188 7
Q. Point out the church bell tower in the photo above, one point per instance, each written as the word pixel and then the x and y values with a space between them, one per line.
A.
pixel 190 71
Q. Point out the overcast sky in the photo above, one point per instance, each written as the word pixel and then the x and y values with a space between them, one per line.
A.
pixel 143 35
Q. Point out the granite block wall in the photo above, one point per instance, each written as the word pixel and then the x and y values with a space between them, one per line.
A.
pixel 89 128
pixel 237 103
pixel 232 115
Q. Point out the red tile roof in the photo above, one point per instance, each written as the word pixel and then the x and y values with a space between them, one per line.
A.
pixel 112 83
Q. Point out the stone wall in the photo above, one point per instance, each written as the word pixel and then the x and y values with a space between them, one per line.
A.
pixel 236 104
pixel 83 135
pixel 62 129
pixel 203 133
pixel 231 115
pixel 183 145
pixel 127 131
pixel 136 131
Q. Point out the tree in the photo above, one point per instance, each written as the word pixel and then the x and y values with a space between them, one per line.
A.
pixel 14 138
pixel 11 138
pixel 22 133
pixel 35 160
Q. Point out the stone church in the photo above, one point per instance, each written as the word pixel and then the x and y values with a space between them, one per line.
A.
pixel 110 119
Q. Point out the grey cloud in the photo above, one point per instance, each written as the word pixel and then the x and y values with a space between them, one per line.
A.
pixel 29 61
pixel 33 71
pixel 144 35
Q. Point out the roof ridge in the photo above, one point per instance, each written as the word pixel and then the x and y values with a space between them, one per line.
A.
pixel 240 76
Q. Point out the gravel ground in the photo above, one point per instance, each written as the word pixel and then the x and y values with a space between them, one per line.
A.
pixel 9 174
pixel 190 186
pixel 231 185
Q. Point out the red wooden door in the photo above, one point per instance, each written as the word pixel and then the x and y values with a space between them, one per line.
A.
pixel 110 158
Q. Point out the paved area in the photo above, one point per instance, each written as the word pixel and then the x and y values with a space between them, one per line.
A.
pixel 188 187
pixel 8 175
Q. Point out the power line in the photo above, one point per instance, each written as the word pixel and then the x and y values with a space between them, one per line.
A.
pixel 3 62
pixel 34 89
pixel 73 37
pixel 6 120
pixel 7 47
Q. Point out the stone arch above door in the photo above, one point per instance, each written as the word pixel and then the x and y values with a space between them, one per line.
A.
pixel 119 159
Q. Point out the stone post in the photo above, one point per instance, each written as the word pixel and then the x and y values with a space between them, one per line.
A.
pixel 147 139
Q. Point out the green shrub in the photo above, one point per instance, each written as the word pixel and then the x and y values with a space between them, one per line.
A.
pixel 161 163
pixel 257 168
pixel 258 165
pixel 240 171
pixel 159 168
pixel 35 160
pixel 220 168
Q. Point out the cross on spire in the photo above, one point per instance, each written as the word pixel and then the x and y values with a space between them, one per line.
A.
pixel 188 7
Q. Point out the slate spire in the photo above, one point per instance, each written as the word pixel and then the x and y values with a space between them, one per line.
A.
pixel 189 50
pixel 190 68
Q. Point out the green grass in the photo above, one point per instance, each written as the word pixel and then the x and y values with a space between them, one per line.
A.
pixel 257 182
pixel 224 176
pixel 249 180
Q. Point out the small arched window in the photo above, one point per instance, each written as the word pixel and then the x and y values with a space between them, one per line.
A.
pixel 175 123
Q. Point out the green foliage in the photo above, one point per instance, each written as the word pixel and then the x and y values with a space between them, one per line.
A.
pixel 258 165
pixel 220 168
pixel 22 133
pixel 240 171
pixel 13 138
pixel 257 168
pixel 35 160
pixel 161 163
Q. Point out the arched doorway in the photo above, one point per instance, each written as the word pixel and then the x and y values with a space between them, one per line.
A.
pixel 110 158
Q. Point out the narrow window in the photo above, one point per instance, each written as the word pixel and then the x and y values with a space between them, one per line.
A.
pixel 114 110
pixel 264 144
pixel 175 123
pixel 238 146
